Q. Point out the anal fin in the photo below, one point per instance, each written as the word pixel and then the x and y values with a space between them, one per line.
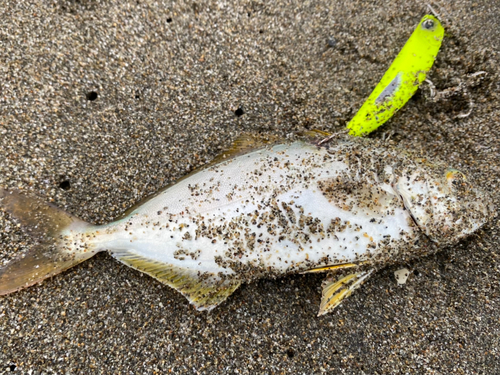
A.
pixel 331 268
pixel 335 290
pixel 204 291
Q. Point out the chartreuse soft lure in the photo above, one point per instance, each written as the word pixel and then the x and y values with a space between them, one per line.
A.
pixel 402 78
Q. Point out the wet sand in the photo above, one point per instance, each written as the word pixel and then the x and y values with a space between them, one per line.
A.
pixel 104 102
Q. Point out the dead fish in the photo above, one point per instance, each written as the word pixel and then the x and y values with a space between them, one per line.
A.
pixel 264 212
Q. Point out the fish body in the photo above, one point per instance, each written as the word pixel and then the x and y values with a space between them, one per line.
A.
pixel 279 209
pixel 282 209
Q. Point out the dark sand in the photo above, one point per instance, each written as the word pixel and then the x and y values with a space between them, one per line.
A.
pixel 168 78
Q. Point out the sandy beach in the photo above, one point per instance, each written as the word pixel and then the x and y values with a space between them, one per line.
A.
pixel 104 102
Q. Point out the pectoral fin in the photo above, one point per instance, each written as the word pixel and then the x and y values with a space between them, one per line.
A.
pixel 335 290
pixel 204 292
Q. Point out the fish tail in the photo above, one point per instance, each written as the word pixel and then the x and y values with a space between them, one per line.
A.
pixel 63 241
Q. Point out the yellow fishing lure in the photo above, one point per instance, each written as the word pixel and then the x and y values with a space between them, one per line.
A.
pixel 402 79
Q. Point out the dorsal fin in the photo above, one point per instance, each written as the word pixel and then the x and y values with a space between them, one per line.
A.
pixel 204 293
pixel 243 144
pixel 319 137
pixel 313 134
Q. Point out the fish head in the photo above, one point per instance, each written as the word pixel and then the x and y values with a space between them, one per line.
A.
pixel 443 202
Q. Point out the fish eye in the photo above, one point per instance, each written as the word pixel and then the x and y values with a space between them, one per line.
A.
pixel 455 178
pixel 428 24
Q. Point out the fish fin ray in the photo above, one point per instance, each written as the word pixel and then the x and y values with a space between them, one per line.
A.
pixel 243 144
pixel 46 224
pixel 336 290
pixel 313 134
pixel 331 267
pixel 203 293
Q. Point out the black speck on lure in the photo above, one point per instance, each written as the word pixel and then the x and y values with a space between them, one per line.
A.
pixel 273 210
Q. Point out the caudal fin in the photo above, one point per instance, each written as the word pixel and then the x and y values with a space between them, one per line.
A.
pixel 61 241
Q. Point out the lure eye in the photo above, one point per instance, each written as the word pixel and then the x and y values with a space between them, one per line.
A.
pixel 428 24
